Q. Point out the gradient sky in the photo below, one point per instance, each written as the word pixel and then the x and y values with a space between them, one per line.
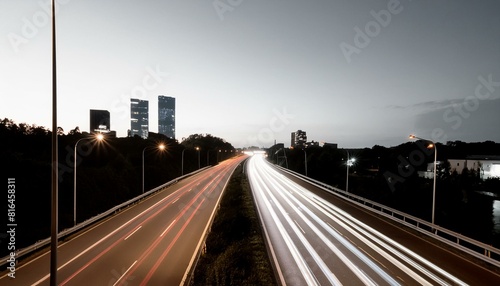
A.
pixel 251 72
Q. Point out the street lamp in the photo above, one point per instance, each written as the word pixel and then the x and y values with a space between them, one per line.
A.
pixel 305 160
pixel 348 163
pixel 182 162
pixel 99 137
pixel 161 147
pixel 431 145
pixel 198 149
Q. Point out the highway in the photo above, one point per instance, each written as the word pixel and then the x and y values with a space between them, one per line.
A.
pixel 316 238
pixel 151 243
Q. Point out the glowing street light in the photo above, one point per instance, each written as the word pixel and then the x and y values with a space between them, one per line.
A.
pixel 431 145
pixel 161 147
pixel 99 137
pixel 349 162
pixel 198 149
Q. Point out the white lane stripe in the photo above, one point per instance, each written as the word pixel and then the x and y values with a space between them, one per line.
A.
pixel 105 237
pixel 302 192
pixel 173 202
pixel 133 232
pixel 321 264
pixel 167 228
pixel 354 269
pixel 348 245
pixel 381 239
pixel 117 281
pixel 299 260
pixel 299 190
pixel 301 229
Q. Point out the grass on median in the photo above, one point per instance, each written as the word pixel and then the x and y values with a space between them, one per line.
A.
pixel 235 250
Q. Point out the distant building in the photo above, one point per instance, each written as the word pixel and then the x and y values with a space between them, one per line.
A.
pixel 329 145
pixel 299 139
pixel 99 121
pixel 166 116
pixel 139 118
pixel 312 143
pixel 487 166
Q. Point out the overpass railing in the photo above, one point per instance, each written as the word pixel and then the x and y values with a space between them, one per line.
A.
pixel 466 244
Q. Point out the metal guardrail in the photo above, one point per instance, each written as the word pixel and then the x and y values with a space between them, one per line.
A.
pixel 466 244
pixel 42 243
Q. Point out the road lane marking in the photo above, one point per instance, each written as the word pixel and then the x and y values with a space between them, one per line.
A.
pixel 301 229
pixel 147 252
pixel 117 281
pixel 133 232
pixel 167 227
pixel 173 202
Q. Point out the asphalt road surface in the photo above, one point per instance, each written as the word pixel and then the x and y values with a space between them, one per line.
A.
pixel 151 243
pixel 317 238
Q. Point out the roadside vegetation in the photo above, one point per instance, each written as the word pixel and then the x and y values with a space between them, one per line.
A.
pixel 235 253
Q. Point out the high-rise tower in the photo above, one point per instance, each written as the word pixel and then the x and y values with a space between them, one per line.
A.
pixel 139 118
pixel 166 116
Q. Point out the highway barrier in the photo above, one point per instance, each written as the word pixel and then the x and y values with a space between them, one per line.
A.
pixel 480 250
pixel 64 233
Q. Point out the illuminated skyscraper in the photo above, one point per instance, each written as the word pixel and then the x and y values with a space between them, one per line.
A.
pixel 166 116
pixel 139 118
pixel 299 139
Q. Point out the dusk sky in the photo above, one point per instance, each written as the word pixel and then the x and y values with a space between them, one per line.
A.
pixel 356 73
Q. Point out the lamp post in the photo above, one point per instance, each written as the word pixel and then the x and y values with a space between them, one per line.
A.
pixel 198 149
pixel 348 163
pixel 99 137
pixel 286 160
pixel 305 160
pixel 182 162
pixel 431 145
pixel 347 173
pixel 161 147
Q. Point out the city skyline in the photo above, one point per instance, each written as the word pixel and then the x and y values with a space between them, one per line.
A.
pixel 355 73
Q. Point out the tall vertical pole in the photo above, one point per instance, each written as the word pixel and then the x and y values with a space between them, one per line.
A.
pixel 199 166
pixel 55 165
pixel 347 176
pixel 434 187
pixel 305 160
pixel 182 163
pixel 143 169
pixel 74 186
